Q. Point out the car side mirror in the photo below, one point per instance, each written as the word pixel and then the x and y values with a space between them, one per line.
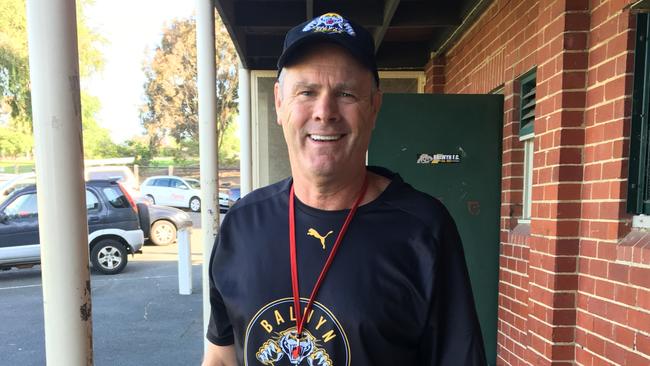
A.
pixel 3 218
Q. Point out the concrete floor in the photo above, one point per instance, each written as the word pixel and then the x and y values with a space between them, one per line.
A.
pixel 138 316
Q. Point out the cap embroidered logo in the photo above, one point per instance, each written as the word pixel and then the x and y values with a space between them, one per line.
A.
pixel 329 23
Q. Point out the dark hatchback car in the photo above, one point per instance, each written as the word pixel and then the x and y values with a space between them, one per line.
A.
pixel 165 223
pixel 114 227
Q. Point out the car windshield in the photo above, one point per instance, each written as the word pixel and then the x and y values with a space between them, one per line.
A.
pixel 195 184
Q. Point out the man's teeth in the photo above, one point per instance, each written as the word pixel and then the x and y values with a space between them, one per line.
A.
pixel 325 137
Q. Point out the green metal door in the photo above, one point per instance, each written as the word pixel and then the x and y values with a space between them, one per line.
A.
pixel 450 147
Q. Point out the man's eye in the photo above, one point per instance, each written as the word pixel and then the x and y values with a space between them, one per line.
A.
pixel 306 93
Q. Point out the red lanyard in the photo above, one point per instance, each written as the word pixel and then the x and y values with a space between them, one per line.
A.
pixel 300 320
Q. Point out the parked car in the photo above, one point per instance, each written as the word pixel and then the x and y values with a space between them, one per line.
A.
pixel 234 194
pixel 16 182
pixel 165 222
pixel 169 190
pixel 114 227
pixel 120 173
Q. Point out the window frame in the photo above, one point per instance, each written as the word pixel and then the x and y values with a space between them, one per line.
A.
pixel 638 201
pixel 98 204
pixel 527 137
pixel 527 188
pixel 30 197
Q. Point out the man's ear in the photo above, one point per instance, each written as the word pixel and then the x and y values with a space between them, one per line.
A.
pixel 278 101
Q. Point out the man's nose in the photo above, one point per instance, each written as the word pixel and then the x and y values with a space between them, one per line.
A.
pixel 326 108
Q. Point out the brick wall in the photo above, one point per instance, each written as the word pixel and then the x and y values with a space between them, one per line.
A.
pixel 613 315
pixel 574 284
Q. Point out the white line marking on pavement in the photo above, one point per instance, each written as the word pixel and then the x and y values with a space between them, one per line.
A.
pixel 18 287
pixel 99 280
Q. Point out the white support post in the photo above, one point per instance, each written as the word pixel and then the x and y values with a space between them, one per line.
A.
pixel 184 262
pixel 206 80
pixel 56 106
pixel 245 156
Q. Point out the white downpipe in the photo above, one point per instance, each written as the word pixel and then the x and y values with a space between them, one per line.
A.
pixel 245 121
pixel 206 80
pixel 54 69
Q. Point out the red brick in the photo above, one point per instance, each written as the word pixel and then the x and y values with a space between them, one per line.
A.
pixel 625 294
pixel 604 289
pixel 618 272
pixel 640 276
pixel 617 313
pixel 624 336
pixel 643 343
pixel 633 359
pixel 615 88
pixel 595 344
pixel 640 320
pixel 615 353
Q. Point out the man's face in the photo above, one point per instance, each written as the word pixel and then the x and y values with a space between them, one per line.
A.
pixel 327 105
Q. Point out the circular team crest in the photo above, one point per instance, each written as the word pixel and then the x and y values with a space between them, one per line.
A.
pixel 271 337
pixel 329 23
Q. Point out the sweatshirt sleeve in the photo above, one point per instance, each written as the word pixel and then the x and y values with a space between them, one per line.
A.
pixel 220 331
pixel 452 335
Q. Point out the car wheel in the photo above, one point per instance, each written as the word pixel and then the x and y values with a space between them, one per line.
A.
pixel 153 200
pixel 195 204
pixel 109 256
pixel 163 232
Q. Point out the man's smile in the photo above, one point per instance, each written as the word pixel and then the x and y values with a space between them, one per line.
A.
pixel 326 138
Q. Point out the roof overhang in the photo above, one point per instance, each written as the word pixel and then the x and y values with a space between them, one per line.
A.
pixel 406 32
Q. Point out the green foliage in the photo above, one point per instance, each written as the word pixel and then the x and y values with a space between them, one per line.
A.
pixel 229 149
pixel 14 143
pixel 14 67
pixel 138 149
pixel 171 95
pixel 15 95
pixel 97 139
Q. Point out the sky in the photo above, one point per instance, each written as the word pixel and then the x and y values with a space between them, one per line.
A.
pixel 132 29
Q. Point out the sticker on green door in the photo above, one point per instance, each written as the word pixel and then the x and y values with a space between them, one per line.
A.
pixel 437 158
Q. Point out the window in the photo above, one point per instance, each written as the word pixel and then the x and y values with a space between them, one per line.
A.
pixel 116 197
pixel 92 203
pixel 638 196
pixel 164 182
pixel 527 136
pixel 194 184
pixel 23 206
pixel 175 183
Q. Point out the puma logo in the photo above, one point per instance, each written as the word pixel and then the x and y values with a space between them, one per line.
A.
pixel 315 234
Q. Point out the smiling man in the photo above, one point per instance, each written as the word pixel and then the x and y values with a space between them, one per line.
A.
pixel 341 264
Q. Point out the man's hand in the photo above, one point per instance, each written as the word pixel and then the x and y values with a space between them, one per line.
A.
pixel 219 356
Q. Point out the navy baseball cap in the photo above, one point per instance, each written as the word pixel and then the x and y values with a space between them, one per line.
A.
pixel 331 27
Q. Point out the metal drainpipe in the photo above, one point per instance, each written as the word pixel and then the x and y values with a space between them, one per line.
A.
pixel 206 82
pixel 54 69
pixel 245 156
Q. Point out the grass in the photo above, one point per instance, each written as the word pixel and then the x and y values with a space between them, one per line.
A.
pixel 19 166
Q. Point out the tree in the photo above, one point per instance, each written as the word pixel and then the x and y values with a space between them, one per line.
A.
pixel 15 96
pixel 171 95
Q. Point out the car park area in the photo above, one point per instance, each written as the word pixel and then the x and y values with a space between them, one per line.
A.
pixel 138 316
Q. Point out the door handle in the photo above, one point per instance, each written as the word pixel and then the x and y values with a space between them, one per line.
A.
pixel 93 219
